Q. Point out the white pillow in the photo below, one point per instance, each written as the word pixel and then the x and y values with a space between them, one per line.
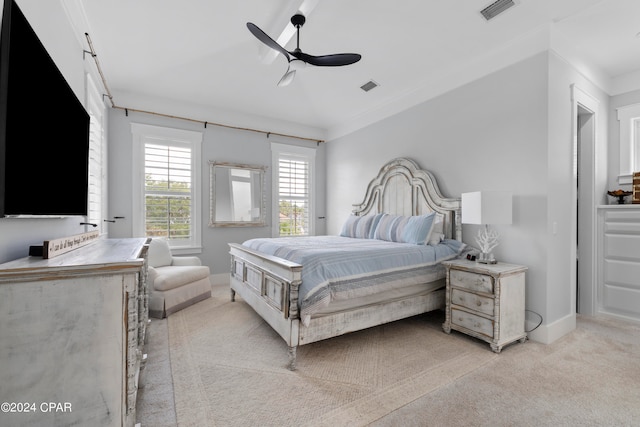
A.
pixel 437 232
pixel 159 253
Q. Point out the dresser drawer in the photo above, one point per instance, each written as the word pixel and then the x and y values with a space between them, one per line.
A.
pixel 475 302
pixel 472 281
pixel 472 322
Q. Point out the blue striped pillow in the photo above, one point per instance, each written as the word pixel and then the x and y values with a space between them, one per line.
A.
pixel 360 227
pixel 405 229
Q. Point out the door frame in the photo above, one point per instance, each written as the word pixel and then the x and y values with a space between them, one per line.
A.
pixel 584 231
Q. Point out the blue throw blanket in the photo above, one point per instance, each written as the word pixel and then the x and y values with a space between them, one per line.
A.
pixel 336 267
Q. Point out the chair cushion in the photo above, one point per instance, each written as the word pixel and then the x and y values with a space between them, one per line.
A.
pixel 171 277
pixel 159 253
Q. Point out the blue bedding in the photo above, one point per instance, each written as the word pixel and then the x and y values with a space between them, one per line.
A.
pixel 336 267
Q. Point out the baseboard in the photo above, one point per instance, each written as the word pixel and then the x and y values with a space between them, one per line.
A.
pixel 546 334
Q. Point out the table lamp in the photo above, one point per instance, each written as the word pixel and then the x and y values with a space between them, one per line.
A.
pixel 485 208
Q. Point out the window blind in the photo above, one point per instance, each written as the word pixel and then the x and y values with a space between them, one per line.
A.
pixel 168 191
pixel 97 157
pixel 293 181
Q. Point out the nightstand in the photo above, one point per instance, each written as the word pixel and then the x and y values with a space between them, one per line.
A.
pixel 486 301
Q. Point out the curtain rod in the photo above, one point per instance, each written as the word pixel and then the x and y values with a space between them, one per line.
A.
pixel 93 54
pixel 127 110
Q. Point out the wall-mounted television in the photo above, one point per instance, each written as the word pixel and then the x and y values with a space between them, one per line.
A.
pixel 44 128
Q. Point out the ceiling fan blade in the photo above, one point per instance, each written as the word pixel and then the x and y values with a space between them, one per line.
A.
pixel 264 38
pixel 334 60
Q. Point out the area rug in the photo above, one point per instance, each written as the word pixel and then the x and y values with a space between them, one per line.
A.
pixel 229 368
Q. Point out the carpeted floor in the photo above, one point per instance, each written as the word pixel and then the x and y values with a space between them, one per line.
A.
pixel 222 365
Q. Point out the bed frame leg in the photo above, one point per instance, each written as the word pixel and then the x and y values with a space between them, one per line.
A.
pixel 233 295
pixel 292 359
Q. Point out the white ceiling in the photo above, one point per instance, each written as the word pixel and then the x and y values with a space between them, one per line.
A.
pixel 201 52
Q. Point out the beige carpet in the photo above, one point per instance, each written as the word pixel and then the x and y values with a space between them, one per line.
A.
pixel 228 368
pixel 588 378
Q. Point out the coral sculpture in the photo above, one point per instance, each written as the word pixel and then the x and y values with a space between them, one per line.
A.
pixel 487 239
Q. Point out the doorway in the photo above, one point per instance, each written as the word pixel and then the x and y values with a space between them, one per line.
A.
pixel 584 204
pixel 585 116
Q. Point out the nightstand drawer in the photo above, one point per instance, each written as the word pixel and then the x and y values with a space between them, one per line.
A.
pixel 472 322
pixel 471 281
pixel 473 301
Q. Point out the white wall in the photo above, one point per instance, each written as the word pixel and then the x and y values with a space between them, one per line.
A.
pixel 219 144
pixel 560 182
pixel 50 23
pixel 510 130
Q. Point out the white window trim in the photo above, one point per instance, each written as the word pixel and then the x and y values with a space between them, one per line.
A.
pixel 278 149
pixel 194 140
pixel 628 152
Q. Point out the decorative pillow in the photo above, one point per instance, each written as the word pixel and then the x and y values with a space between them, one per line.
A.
pixel 159 253
pixel 360 227
pixel 435 239
pixel 437 232
pixel 405 229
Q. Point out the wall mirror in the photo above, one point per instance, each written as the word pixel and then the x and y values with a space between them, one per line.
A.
pixel 237 196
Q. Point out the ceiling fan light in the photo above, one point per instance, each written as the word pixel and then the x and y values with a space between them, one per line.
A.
pixel 287 78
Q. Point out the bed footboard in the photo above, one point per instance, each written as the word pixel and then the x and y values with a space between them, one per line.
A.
pixel 270 286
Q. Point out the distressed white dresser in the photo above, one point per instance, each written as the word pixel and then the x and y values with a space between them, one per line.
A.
pixel 486 301
pixel 72 330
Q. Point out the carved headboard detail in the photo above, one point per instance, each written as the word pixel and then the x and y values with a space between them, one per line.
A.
pixel 401 188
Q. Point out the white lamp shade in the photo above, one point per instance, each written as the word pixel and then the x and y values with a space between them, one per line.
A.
pixel 487 207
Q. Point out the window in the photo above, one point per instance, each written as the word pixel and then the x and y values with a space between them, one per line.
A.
pixel 629 118
pixel 97 158
pixel 293 178
pixel 167 179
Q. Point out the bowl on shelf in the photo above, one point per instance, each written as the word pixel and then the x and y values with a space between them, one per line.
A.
pixel 620 194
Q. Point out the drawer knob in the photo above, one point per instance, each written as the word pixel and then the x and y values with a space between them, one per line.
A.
pixel 478 303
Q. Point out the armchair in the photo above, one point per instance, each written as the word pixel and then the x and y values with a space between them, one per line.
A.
pixel 174 282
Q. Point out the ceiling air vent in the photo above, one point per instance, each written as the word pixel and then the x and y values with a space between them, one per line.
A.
pixel 496 8
pixel 369 85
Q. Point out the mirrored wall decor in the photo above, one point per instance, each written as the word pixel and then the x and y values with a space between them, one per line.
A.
pixel 237 197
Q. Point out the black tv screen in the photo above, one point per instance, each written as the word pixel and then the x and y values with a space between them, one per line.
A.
pixel 44 128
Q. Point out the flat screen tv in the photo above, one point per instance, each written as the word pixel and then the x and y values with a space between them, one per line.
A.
pixel 44 128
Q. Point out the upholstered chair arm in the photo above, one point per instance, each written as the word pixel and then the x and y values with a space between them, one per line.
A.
pixel 152 273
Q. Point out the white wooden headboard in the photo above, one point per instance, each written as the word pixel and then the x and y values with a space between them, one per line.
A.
pixel 401 188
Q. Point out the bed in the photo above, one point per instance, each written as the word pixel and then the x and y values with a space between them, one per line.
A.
pixel 376 271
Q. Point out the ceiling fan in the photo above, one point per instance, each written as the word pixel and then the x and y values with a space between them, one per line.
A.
pixel 297 58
